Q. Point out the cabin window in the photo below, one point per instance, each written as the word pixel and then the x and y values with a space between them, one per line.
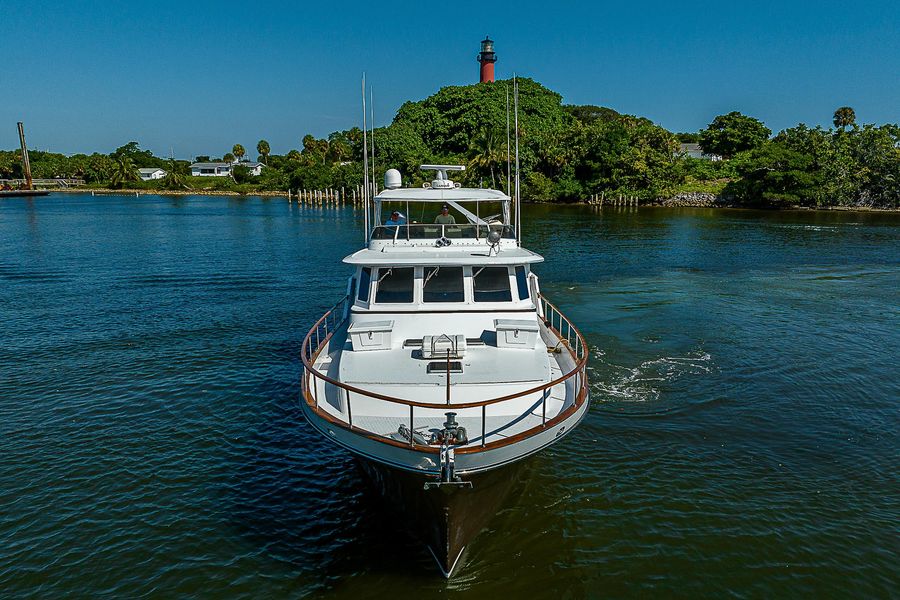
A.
pixel 443 284
pixel 491 284
pixel 365 277
pixel 394 285
pixel 522 283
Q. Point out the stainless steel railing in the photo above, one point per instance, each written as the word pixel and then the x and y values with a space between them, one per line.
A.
pixel 321 333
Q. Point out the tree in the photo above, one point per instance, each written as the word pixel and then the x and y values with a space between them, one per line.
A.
pixel 774 174
pixel 844 117
pixel 7 163
pixel 629 155
pixel 241 174
pixel 263 148
pixel 140 158
pixel 123 171
pixel 878 148
pixel 315 152
pixel 486 151
pixel 238 151
pixel 589 113
pixel 174 178
pixel 99 168
pixel 229 158
pixel 338 150
pixel 732 133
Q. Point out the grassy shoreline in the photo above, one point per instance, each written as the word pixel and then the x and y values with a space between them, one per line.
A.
pixel 145 192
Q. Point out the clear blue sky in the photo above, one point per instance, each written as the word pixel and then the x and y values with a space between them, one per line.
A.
pixel 201 76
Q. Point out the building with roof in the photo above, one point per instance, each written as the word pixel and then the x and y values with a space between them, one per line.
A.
pixel 694 151
pixel 223 169
pixel 151 173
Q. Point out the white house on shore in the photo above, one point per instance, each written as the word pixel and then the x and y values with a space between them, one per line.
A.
pixel 151 173
pixel 694 151
pixel 223 169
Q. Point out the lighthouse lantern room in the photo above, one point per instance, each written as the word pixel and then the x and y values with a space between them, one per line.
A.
pixel 487 57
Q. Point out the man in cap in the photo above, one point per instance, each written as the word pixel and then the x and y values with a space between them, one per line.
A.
pixel 396 219
pixel 445 218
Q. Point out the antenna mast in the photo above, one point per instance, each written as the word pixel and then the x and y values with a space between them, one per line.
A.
pixel 518 196
pixel 365 164
pixel 508 149
pixel 372 125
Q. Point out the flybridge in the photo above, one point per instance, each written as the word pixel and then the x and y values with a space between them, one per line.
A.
pixel 483 226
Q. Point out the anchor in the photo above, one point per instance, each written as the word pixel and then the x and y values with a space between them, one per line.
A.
pixel 450 435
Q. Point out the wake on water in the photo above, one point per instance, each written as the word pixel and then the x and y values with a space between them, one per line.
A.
pixel 614 384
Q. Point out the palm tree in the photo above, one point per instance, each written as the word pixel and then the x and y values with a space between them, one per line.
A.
pixel 339 150
pixel 229 158
pixel 844 117
pixel 238 151
pixel 174 179
pixel 263 148
pixel 123 171
pixel 486 151
pixel 294 155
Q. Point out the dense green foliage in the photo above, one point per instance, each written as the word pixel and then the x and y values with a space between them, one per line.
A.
pixel 566 153
pixel 846 166
pixel 732 133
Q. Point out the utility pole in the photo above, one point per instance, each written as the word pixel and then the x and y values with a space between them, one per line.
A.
pixel 26 164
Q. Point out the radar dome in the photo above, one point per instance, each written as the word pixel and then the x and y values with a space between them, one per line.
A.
pixel 392 179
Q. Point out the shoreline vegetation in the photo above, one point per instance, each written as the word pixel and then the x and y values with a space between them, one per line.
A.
pixel 679 201
pixel 568 154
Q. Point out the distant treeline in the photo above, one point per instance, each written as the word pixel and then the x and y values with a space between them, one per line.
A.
pixel 567 153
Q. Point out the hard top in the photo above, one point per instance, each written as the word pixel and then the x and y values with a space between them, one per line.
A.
pixel 441 195
pixel 447 256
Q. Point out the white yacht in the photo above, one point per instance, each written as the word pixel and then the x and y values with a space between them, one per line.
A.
pixel 443 365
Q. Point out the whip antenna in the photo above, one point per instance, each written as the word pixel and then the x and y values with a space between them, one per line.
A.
pixel 365 164
pixel 508 148
pixel 518 195
pixel 372 125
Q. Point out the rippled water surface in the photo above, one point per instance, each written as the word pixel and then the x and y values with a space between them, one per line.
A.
pixel 743 439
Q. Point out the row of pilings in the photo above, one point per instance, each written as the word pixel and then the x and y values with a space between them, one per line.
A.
pixel 618 200
pixel 329 196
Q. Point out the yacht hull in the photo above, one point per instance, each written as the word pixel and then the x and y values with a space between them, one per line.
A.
pixel 445 518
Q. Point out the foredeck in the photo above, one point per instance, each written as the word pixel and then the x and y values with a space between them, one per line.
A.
pixel 499 395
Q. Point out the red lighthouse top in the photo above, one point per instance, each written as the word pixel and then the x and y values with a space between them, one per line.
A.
pixel 487 57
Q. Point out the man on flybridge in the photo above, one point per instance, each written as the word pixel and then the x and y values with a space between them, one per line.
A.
pixel 445 218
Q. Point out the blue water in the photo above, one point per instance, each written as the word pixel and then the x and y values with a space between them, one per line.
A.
pixel 743 439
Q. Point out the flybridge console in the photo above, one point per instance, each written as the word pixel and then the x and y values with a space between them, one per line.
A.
pixel 441 182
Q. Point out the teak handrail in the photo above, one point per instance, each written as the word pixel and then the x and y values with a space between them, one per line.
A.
pixel 335 317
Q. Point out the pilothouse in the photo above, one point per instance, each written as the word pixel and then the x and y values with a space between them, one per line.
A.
pixel 443 366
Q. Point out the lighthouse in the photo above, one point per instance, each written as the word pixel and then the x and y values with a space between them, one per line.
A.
pixel 487 57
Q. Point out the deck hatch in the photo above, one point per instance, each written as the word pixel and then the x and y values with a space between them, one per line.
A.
pixel 417 342
pixel 441 367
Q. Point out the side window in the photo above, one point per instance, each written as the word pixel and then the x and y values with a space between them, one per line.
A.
pixel 364 278
pixel 443 284
pixel 491 284
pixel 395 285
pixel 522 283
